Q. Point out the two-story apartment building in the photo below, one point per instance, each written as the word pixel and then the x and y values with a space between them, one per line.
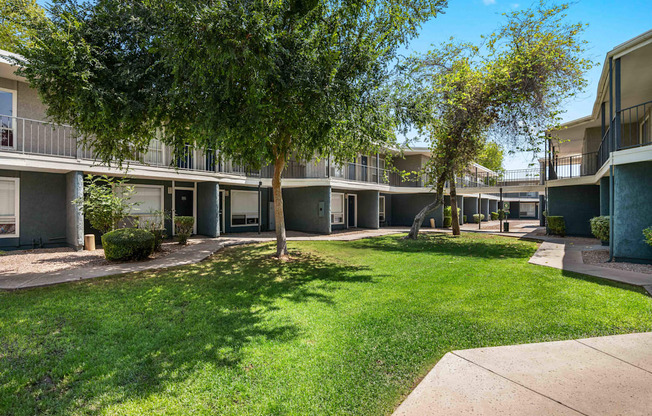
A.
pixel 43 165
pixel 601 164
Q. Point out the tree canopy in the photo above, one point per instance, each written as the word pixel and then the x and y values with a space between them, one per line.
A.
pixel 491 156
pixel 509 87
pixel 257 80
pixel 17 18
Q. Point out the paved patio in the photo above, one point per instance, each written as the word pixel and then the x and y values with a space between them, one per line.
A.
pixel 594 376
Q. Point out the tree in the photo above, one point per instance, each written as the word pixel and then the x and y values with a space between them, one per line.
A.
pixel 259 81
pixel 491 156
pixel 511 86
pixel 16 19
pixel 106 202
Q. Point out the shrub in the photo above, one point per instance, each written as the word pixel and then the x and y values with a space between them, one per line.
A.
pixel 464 218
pixel 494 215
pixel 155 224
pixel 600 227
pixel 448 221
pixel 448 211
pixel 478 217
pixel 647 233
pixel 502 214
pixel 106 202
pixel 128 244
pixel 184 228
pixel 556 225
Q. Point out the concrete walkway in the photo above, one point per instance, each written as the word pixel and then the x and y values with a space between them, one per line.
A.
pixel 593 376
pixel 566 254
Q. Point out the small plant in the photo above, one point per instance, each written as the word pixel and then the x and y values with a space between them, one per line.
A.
pixel 464 218
pixel 477 218
pixel 155 224
pixel 647 233
pixel 184 228
pixel 494 216
pixel 128 244
pixel 600 227
pixel 448 221
pixel 556 225
pixel 502 214
pixel 106 202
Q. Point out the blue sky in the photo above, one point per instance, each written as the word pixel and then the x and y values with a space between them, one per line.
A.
pixel 610 23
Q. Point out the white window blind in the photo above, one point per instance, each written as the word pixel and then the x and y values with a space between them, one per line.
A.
pixel 337 208
pixel 148 199
pixel 244 208
pixel 8 207
pixel 381 208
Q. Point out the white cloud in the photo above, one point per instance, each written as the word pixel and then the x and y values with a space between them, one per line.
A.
pixel 515 5
pixel 488 2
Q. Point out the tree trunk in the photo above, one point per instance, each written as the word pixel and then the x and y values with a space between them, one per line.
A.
pixel 454 217
pixel 279 218
pixel 418 220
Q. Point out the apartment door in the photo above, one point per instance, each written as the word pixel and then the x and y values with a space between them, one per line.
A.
pixel 221 212
pixel 352 211
pixel 184 204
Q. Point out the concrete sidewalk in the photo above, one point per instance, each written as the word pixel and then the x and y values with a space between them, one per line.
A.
pixel 593 376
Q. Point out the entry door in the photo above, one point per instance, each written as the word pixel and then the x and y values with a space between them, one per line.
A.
pixel 221 212
pixel 352 211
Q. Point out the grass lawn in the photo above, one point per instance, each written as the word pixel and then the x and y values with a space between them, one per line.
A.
pixel 345 328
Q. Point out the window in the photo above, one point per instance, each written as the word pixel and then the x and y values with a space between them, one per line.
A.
pixel 337 208
pixel 244 208
pixel 155 153
pixel 148 200
pixel 645 130
pixel 9 200
pixel 7 114
pixel 381 208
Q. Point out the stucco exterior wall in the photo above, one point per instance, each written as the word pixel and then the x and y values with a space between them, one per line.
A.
pixel 302 209
pixel 406 206
pixel 604 196
pixel 632 211
pixel 368 209
pixel 577 204
pixel 484 206
pixel 470 207
pixel 208 205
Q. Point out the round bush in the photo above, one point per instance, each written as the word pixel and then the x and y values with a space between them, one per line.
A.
pixel 128 244
pixel 600 228
pixel 448 221
pixel 478 217
pixel 494 215
pixel 556 225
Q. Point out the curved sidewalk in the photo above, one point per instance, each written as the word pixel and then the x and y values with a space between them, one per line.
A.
pixel 594 376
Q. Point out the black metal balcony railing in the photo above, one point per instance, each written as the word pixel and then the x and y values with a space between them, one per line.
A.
pixel 635 126
pixel 517 177
pixel 575 166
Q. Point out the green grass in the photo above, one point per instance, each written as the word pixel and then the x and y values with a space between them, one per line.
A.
pixel 345 328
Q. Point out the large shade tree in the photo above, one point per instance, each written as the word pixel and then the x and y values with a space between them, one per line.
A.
pixel 17 19
pixel 259 81
pixel 511 88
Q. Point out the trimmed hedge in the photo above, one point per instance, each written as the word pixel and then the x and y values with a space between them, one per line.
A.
pixel 128 244
pixel 184 228
pixel 494 215
pixel 448 221
pixel 477 218
pixel 556 225
pixel 600 227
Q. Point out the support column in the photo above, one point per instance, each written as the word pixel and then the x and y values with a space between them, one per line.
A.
pixel 368 214
pixel 470 208
pixel 208 209
pixel 74 216
pixel 484 206
pixel 493 206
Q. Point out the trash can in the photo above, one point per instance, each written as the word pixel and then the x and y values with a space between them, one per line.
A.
pixel 506 227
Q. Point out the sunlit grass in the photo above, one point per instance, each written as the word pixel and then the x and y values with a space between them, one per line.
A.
pixel 344 328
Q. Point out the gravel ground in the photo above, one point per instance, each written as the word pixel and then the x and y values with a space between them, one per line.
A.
pixel 47 260
pixel 601 258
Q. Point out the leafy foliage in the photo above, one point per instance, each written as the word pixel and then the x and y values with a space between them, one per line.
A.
pixel 494 215
pixel 600 227
pixel 106 201
pixel 184 227
pixel 491 156
pixel 128 244
pixel 556 225
pixel 647 234
pixel 259 81
pixel 477 218
pixel 155 224
pixel 17 19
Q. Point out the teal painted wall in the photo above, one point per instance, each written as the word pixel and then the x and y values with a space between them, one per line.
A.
pixel 406 206
pixel 368 209
pixel 208 202
pixel 577 204
pixel 470 208
pixel 301 209
pixel 632 211
pixel 604 196
pixel 43 208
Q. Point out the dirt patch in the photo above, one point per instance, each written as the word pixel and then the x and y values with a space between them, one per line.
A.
pixel 46 260
pixel 601 258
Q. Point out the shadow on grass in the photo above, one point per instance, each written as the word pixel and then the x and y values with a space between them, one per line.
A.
pixel 100 343
pixel 604 282
pixel 466 245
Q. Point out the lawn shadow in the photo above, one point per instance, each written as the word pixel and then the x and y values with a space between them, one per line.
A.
pixel 467 245
pixel 117 339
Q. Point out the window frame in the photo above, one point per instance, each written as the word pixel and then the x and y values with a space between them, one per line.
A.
pixel 381 214
pixel 335 213
pixel 135 186
pixel 231 192
pixel 14 111
pixel 16 215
